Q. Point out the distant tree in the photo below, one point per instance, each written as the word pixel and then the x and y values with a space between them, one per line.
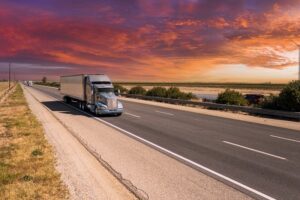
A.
pixel 44 79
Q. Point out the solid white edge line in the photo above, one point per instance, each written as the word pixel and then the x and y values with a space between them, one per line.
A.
pixel 257 151
pixel 166 113
pixel 176 155
pixel 127 113
pixel 283 138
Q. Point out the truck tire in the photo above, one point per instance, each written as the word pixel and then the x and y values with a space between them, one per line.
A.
pixel 82 105
pixel 67 100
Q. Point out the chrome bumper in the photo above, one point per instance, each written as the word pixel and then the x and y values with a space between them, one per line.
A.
pixel 109 112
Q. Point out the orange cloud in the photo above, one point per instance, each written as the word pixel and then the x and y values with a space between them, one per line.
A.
pixel 161 41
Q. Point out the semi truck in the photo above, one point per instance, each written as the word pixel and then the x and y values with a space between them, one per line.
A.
pixel 92 92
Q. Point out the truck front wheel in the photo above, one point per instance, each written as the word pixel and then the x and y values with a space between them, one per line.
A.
pixel 81 105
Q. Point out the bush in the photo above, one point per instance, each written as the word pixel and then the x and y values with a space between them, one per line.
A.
pixel 175 93
pixel 288 99
pixel 137 90
pixel 120 88
pixel 157 92
pixel 231 97
pixel 270 102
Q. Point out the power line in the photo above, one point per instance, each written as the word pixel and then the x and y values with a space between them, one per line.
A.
pixel 9 69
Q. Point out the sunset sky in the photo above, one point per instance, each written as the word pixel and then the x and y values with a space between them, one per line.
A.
pixel 152 40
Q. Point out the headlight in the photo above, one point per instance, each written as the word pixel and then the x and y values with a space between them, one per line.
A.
pixel 120 105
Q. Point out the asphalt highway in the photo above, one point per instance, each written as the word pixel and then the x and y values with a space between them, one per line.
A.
pixel 263 158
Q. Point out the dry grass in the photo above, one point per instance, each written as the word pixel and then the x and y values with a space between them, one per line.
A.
pixel 26 159
pixel 3 86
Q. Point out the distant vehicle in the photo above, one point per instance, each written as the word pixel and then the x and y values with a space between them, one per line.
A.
pixel 93 92
pixel 28 83
pixel 254 98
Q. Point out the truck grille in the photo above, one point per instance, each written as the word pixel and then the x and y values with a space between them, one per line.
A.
pixel 112 104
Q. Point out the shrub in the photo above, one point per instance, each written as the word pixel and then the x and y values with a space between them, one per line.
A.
pixel 157 92
pixel 231 97
pixel 120 88
pixel 175 93
pixel 288 99
pixel 172 92
pixel 270 102
pixel 137 90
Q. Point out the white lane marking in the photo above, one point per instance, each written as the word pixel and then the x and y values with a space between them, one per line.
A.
pixel 166 113
pixel 258 151
pixel 283 138
pixel 127 113
pixel 176 155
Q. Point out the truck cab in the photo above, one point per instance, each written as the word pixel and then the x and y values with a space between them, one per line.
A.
pixel 101 98
pixel 93 92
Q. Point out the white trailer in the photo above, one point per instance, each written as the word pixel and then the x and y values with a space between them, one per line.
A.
pixel 93 92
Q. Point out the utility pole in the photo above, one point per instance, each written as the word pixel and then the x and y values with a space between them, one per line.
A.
pixel 9 75
pixel 298 45
pixel 299 62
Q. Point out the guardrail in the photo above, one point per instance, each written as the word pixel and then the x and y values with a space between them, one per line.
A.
pixel 246 109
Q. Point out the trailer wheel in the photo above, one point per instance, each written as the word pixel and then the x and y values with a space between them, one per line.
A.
pixel 67 100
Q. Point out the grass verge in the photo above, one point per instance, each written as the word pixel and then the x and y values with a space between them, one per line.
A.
pixel 26 159
pixel 3 86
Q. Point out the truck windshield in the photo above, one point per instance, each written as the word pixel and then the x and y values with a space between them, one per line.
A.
pixel 105 90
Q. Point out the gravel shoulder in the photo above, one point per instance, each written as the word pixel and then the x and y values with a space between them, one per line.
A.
pixel 84 176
